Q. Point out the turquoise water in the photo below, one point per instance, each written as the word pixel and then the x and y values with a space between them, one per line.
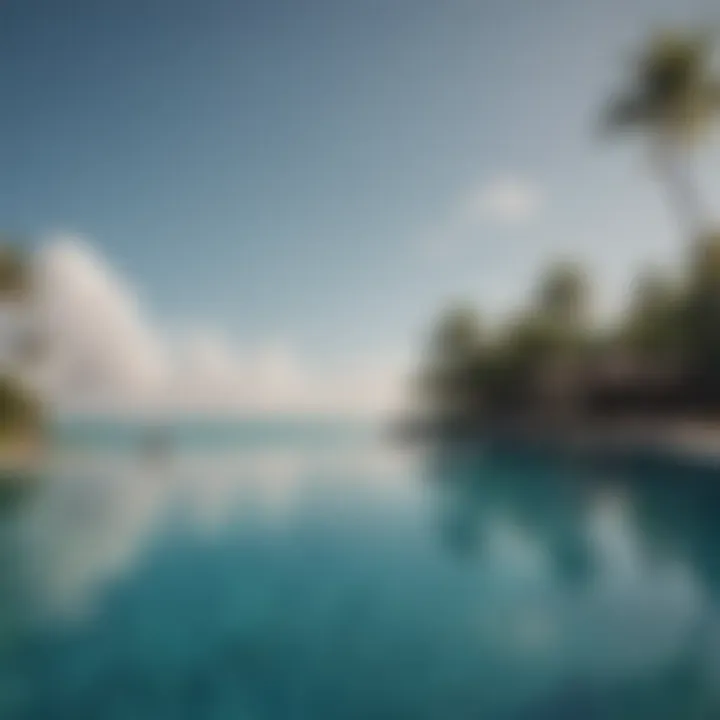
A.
pixel 282 571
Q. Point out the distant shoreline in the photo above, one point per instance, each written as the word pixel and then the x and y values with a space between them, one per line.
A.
pixel 686 440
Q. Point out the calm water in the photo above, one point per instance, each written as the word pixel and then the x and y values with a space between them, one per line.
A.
pixel 285 571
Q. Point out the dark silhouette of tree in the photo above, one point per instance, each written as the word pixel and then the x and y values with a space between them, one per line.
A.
pixel 563 295
pixel 672 97
pixel 454 350
pixel 15 276
pixel 20 408
pixel 653 325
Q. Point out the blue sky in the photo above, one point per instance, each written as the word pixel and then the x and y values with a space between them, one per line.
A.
pixel 328 172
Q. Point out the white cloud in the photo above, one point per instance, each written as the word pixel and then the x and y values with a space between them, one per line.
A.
pixel 505 201
pixel 106 354
pixel 99 337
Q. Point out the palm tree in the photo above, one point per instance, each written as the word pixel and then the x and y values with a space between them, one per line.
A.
pixel 701 317
pixel 20 410
pixel 17 300
pixel 562 296
pixel 454 349
pixel 654 322
pixel 457 334
pixel 15 278
pixel 20 407
pixel 673 97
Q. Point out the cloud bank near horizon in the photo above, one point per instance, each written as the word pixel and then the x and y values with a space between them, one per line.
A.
pixel 107 355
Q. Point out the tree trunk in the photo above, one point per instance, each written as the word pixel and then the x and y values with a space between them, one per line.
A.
pixel 673 165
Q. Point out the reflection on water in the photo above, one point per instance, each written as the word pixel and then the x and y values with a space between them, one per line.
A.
pixel 342 580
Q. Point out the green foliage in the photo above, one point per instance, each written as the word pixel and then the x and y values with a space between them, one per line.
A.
pixel 467 371
pixel 673 88
pixel 672 94
pixel 20 412
pixel 563 294
pixel 552 345
pixel 15 280
pixel 457 335
pixel 654 322
pixel 455 347
pixel 701 311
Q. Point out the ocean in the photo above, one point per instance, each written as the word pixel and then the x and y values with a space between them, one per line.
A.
pixel 291 570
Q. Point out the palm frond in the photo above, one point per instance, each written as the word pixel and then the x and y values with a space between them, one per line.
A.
pixel 673 90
